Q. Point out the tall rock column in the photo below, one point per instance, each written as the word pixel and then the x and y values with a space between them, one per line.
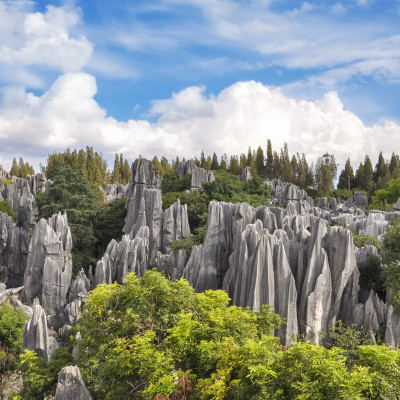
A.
pixel 49 266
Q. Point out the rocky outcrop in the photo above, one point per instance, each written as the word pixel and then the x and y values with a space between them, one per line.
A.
pixel 14 244
pixel 36 336
pixel 120 259
pixel 71 386
pixel 3 173
pixel 209 262
pixel 358 200
pixel 282 192
pixel 20 193
pixel 175 225
pixel 114 192
pixel 49 266
pixel 199 175
pixel 246 175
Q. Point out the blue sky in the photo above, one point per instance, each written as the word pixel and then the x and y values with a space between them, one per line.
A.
pixel 178 76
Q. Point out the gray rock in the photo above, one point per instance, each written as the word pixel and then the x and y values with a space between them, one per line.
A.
pixel 357 200
pixel 175 225
pixel 36 337
pixel 114 192
pixel 49 266
pixel 71 386
pixel 199 175
pixel 246 175
pixel 397 205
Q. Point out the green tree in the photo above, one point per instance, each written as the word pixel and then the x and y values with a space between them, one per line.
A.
pixel 116 175
pixel 14 168
pixel 260 162
pixel 269 165
pixel 346 177
pixel 11 331
pixel 6 208
pixel 71 192
pixel 223 164
pixel 214 162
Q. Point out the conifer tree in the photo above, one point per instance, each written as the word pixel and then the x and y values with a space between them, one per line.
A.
pixel 126 172
pixel 260 162
pixel 116 176
pixel 295 169
pixel 381 169
pixel 203 160
pixel 346 178
pixel 208 163
pixel 394 166
pixel 269 166
pixel 276 166
pixel 214 162
pixel 234 167
pixel 287 173
pixel 14 168
pixel 223 165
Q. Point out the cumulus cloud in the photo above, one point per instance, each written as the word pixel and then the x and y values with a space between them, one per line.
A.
pixel 244 114
pixel 40 39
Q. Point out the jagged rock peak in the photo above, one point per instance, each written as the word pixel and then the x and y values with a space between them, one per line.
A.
pixel 199 175
pixel 14 244
pixel 70 385
pixel 175 224
pixel 246 175
pixel 36 336
pixel 142 172
pixel 49 266
pixel 114 192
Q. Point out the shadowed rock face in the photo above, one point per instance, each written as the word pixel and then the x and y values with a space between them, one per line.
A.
pixel 70 385
pixel 36 336
pixel 14 244
pixel 21 196
pixel 49 266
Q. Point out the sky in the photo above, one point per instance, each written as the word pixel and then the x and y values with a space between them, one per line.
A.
pixel 175 77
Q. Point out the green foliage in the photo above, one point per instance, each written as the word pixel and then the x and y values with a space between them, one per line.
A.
pixel 342 193
pixel 90 163
pixel 71 192
pixel 347 338
pixel 40 376
pixel 188 242
pixel 346 178
pixel 385 198
pixel 136 336
pixel 306 371
pixel 391 242
pixel 172 182
pixel 11 327
pixel 361 241
pixel 21 169
pixel 6 208
pixel 110 222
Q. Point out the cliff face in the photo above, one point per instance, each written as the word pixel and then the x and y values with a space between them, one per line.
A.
pixel 287 257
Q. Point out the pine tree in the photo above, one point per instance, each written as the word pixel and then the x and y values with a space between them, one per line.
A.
pixel 214 162
pixel 223 165
pixel 364 174
pixel 14 168
pixel 381 169
pixel 260 162
pixel 295 169
pixel 269 166
pixel 276 166
pixel 394 166
pixel 116 175
pixel 165 166
pixel 287 173
pixel 203 160
pixel 208 163
pixel 242 162
pixel 346 178
pixel 126 172
pixel 234 167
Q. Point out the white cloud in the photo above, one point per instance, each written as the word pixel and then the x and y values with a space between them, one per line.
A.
pixel 244 114
pixel 40 39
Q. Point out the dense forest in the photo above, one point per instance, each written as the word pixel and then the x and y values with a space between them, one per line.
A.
pixel 156 338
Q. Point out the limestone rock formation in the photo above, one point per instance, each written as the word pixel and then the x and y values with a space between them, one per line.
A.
pixel 71 386
pixel 357 200
pixel 49 266
pixel 115 192
pixel 199 175
pixel 246 175
pixel 120 259
pixel 20 193
pixel 36 335
pixel 175 225
pixel 14 244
